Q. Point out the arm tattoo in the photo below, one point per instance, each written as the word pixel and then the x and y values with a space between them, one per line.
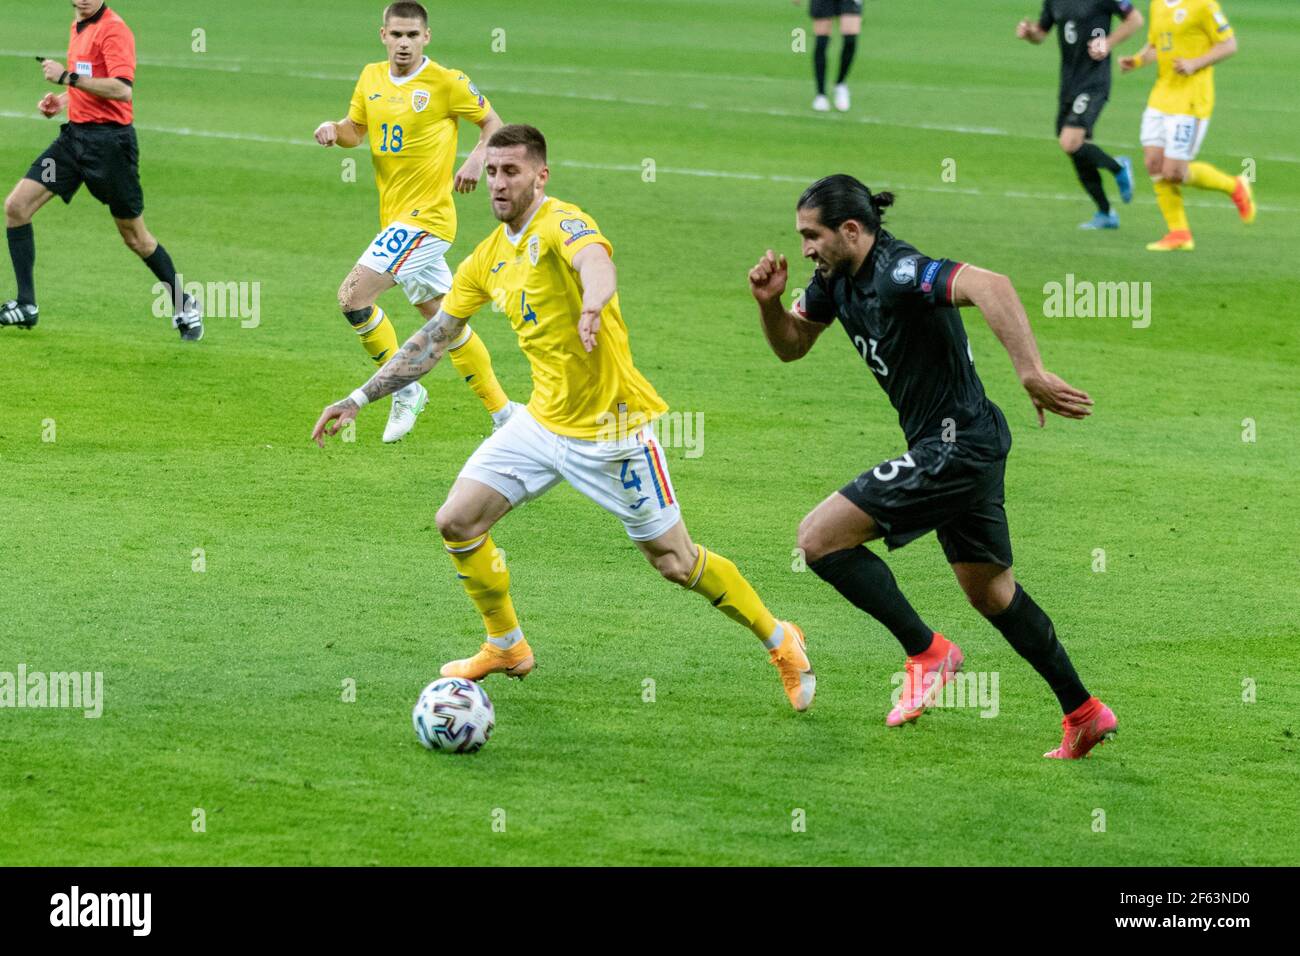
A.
pixel 414 359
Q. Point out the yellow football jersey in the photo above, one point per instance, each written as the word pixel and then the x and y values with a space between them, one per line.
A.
pixel 412 124
pixel 1185 29
pixel 531 278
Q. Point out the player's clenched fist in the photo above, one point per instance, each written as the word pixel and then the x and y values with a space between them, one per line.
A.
pixel 1128 63
pixel 50 105
pixel 327 134
pixel 767 279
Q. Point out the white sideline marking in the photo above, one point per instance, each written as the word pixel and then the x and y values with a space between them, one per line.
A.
pixel 806 115
pixel 307 141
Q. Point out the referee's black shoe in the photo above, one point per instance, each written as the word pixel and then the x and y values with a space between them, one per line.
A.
pixel 18 313
pixel 189 320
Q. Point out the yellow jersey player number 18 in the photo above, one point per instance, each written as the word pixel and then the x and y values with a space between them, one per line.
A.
pixel 408 108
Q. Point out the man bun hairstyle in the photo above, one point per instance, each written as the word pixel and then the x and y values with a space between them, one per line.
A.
pixel 841 197
pixel 406 10
pixel 520 134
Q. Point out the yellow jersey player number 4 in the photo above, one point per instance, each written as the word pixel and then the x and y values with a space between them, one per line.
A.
pixel 408 108
pixel 590 422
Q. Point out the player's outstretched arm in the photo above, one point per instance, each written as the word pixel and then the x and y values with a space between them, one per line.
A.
pixel 471 171
pixel 413 361
pixel 599 283
pixel 789 336
pixel 343 133
pixel 995 296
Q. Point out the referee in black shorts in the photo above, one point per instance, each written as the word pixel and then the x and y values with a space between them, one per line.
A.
pixel 900 309
pixel 97 147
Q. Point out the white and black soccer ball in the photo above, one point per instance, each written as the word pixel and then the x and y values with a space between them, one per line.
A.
pixel 453 714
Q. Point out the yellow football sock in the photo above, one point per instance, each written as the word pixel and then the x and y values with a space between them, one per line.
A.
pixel 378 336
pixel 481 568
pixel 726 588
pixel 1205 176
pixel 1169 196
pixel 472 361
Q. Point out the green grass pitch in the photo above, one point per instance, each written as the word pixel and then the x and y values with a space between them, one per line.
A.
pixel 223 689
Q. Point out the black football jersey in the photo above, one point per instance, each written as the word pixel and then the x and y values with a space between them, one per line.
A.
pixel 1077 23
pixel 898 313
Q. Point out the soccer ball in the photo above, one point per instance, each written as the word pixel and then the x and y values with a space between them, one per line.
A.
pixel 453 714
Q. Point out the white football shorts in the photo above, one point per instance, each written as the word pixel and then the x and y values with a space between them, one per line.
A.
pixel 414 257
pixel 1179 136
pixel 628 478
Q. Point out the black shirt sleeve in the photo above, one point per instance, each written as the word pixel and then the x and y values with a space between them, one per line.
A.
pixel 1045 19
pixel 816 304
pixel 916 279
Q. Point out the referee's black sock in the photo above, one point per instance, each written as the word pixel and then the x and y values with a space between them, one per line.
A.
pixel 1099 157
pixel 161 265
pixel 22 250
pixel 1030 631
pixel 866 581
pixel 819 63
pixel 1091 180
pixel 846 55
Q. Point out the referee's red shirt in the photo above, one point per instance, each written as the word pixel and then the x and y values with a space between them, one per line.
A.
pixel 102 47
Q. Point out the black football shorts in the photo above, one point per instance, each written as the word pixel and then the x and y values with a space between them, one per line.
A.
pixel 823 9
pixel 104 156
pixel 938 487
pixel 1080 109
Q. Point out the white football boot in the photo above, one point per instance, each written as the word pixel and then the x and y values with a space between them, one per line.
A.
pixel 407 405
pixel 821 104
pixel 841 97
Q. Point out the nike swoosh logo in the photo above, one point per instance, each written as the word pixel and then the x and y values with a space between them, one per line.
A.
pixel 640 503
pixel 380 356
pixel 1074 744
pixel 720 599
pixel 376 96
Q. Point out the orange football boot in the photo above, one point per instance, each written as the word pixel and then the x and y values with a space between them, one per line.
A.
pixel 515 662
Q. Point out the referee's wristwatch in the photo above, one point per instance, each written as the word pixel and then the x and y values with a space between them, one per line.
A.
pixel 73 78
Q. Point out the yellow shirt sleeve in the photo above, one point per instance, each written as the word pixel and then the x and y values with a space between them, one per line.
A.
pixel 466 101
pixel 1215 23
pixel 357 109
pixel 467 294
pixel 570 230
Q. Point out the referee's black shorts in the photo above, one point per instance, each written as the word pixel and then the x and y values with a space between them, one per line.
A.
pixel 939 486
pixel 104 156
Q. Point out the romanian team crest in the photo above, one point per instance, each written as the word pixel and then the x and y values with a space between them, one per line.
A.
pixel 534 250
pixel 419 100
pixel 1180 16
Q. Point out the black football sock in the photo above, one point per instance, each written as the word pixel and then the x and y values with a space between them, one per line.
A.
pixel 868 584
pixel 1091 180
pixel 1099 157
pixel 846 56
pixel 1030 631
pixel 22 250
pixel 819 63
pixel 161 265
